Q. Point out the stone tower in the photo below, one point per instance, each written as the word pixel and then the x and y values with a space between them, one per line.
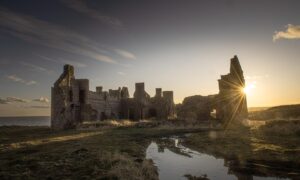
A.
pixel 63 115
pixel 231 101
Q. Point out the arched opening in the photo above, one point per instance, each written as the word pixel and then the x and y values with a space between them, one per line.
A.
pixel 213 113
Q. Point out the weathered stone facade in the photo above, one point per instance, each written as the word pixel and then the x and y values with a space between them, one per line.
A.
pixel 73 102
pixel 231 102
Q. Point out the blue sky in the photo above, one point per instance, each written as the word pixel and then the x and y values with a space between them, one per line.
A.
pixel 182 46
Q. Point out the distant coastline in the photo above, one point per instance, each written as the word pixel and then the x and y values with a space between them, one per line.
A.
pixel 25 121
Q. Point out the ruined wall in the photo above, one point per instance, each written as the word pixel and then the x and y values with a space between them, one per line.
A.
pixel 231 101
pixel 196 108
pixel 73 102
pixel 142 106
pixel 64 113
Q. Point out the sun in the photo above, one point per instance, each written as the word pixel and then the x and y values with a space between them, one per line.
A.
pixel 248 88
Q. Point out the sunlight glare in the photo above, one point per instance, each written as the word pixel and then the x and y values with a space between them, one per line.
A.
pixel 249 87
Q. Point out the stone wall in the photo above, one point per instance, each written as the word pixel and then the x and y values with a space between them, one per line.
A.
pixel 73 102
pixel 232 102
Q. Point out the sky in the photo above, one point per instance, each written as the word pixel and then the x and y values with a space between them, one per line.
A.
pixel 176 45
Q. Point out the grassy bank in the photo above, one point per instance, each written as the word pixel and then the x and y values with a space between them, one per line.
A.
pixel 252 151
pixel 89 153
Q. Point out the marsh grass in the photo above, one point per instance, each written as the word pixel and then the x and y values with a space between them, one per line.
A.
pixel 260 151
pixel 116 152
pixel 40 153
pixel 281 128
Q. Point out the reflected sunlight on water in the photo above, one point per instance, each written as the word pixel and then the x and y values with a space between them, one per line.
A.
pixel 173 165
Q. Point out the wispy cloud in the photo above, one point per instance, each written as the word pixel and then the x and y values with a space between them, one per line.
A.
pixel 81 7
pixel 3 101
pixel 76 64
pixel 125 54
pixel 16 99
pixel 44 33
pixel 42 100
pixel 15 78
pixel 122 73
pixel 37 68
pixel 12 99
pixel 291 32
pixel 62 61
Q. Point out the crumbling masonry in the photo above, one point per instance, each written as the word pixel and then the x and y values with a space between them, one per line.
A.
pixel 229 104
pixel 73 102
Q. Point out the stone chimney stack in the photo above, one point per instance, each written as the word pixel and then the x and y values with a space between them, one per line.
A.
pixel 99 89
pixel 139 90
pixel 68 69
pixel 158 92
pixel 168 95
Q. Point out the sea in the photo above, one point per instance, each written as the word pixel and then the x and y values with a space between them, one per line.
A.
pixel 25 121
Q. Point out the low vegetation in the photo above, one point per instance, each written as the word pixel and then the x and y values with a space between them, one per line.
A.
pixel 262 151
pixel 281 128
pixel 110 151
pixel 116 149
pixel 40 153
pixel 278 112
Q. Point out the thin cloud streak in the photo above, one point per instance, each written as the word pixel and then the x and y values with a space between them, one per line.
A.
pixel 62 61
pixel 291 32
pixel 125 54
pixel 3 101
pixel 13 99
pixel 41 32
pixel 42 100
pixel 16 99
pixel 37 68
pixel 81 7
pixel 15 78
pixel 121 73
pixel 10 100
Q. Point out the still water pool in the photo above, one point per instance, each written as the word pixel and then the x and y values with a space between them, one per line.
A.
pixel 178 161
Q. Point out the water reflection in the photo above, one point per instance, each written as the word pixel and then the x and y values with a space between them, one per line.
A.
pixel 175 160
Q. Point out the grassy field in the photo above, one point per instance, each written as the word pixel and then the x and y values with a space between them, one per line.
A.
pixel 112 150
pixel 96 153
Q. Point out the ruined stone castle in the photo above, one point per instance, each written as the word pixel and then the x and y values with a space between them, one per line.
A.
pixel 73 102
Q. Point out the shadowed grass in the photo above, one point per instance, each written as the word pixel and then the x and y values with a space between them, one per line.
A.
pixel 251 151
pixel 91 153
